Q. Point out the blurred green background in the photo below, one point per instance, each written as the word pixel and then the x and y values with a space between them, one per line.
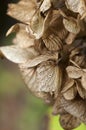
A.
pixel 19 109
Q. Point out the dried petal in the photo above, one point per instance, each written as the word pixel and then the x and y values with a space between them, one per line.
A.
pixel 69 122
pixel 81 90
pixel 39 24
pixel 76 107
pixel 46 5
pixel 67 85
pixel 45 78
pixel 22 38
pixel 14 28
pixel 70 93
pixel 77 6
pixel 57 108
pixel 83 81
pixel 53 42
pixel 48 77
pixel 72 25
pixel 15 54
pixel 74 72
pixel 41 58
pixel 23 10
pixel 70 38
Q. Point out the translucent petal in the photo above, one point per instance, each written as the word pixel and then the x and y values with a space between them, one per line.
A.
pixel 44 78
pixel 14 54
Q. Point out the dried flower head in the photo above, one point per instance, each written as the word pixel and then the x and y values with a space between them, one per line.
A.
pixel 50 50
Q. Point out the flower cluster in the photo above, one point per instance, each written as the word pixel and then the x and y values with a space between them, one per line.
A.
pixel 50 50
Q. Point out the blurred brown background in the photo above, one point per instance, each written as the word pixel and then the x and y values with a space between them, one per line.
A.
pixel 19 109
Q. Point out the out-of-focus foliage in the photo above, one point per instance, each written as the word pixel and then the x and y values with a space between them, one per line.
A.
pixel 19 110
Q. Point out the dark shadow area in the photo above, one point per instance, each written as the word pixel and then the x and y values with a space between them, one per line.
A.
pixel 5 21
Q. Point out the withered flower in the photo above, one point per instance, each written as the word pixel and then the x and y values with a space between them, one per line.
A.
pixel 50 50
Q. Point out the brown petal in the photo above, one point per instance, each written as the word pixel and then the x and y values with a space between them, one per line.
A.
pixel 69 122
pixel 22 38
pixel 81 90
pixel 56 25
pixel 23 10
pixel 14 28
pixel 70 93
pixel 15 54
pixel 29 78
pixel 72 25
pixel 67 85
pixel 83 81
pixel 49 77
pixel 39 59
pixel 70 38
pixel 76 107
pixel 74 72
pixel 38 25
pixel 77 6
pixel 46 5
pixel 45 78
pixel 53 42
pixel 57 108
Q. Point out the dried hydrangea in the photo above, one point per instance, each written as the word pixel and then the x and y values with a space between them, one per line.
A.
pixel 50 50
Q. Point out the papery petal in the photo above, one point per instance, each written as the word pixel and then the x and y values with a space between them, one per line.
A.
pixel 81 90
pixel 74 72
pixel 76 107
pixel 44 78
pixel 48 77
pixel 72 25
pixel 14 54
pixel 67 85
pixel 77 6
pixel 70 94
pixel 39 24
pixel 83 81
pixel 46 5
pixel 53 42
pixel 22 38
pixel 69 122
pixel 41 58
pixel 23 10
pixel 57 108
pixel 56 25
pixel 27 75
